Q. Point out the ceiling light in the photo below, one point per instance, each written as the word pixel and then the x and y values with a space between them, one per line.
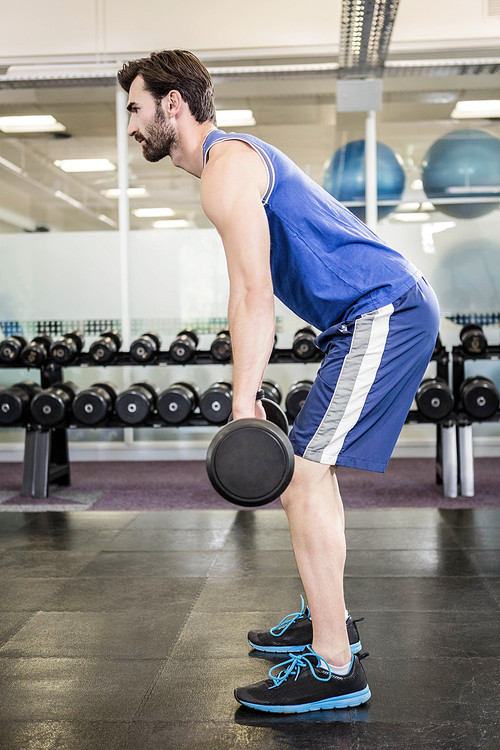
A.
pixel 68 199
pixel 149 213
pixel 172 224
pixel 138 192
pixel 31 124
pixel 487 108
pixel 418 217
pixel 239 118
pixel 10 166
pixel 85 165
pixel 107 220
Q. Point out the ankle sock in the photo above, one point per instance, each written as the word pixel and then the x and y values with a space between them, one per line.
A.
pixel 342 671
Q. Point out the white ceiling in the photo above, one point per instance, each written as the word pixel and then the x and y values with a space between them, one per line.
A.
pixel 296 113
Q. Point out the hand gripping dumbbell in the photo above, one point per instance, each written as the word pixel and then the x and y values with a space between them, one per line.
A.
pixel 183 347
pixel 296 396
pixel 220 348
pixel 94 405
pixel 136 404
pixel 216 403
pixel 65 350
pixel 145 349
pixel 15 402
pixel 473 339
pixel 250 462
pixel 107 346
pixel 434 399
pixel 11 348
pixel 51 406
pixel 36 353
pixel 303 345
pixel 480 397
pixel 177 402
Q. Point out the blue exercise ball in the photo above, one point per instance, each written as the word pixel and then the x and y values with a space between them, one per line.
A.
pixel 463 164
pixel 344 177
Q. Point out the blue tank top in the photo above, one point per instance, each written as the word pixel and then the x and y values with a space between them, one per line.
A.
pixel 326 265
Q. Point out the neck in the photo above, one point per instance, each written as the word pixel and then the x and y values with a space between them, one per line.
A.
pixel 188 153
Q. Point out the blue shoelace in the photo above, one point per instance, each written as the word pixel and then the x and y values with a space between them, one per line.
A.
pixel 292 666
pixel 285 623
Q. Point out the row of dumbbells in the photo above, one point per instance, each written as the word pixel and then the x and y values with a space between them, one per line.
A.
pixel 67 349
pixel 141 403
pixel 479 398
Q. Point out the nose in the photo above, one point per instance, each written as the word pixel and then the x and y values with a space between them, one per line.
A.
pixel 132 128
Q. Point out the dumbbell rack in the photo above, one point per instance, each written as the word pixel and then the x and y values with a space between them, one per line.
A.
pixel 446 440
pixel 464 420
pixel 46 455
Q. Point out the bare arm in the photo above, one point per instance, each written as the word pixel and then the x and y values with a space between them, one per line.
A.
pixel 233 182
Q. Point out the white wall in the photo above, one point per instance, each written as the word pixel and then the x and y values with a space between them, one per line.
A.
pixel 30 28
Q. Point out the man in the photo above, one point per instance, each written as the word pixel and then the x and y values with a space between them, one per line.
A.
pixel 284 235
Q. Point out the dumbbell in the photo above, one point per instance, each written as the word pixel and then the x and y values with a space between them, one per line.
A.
pixel 177 402
pixel 250 462
pixel 480 397
pixel 220 348
pixel 94 405
pixel 303 345
pixel 473 339
pixel 105 349
pixel 135 404
pixel 15 402
pixel 51 406
pixel 183 347
pixel 272 391
pixel 36 353
pixel 11 348
pixel 145 348
pixel 216 403
pixel 434 399
pixel 65 350
pixel 296 396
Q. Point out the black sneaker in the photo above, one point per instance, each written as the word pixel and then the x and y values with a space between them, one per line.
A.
pixel 305 682
pixel 295 632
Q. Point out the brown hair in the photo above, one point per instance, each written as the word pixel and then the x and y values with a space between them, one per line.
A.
pixel 174 69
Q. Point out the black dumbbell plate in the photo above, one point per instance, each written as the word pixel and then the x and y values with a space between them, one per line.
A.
pixel 250 462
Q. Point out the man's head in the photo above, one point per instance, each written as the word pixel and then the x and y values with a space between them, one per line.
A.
pixel 171 70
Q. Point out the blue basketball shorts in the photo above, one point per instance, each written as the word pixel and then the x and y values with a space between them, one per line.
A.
pixel 366 383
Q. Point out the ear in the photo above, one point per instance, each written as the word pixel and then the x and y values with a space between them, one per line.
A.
pixel 172 103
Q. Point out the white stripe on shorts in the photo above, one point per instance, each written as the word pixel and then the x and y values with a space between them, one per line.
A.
pixel 355 381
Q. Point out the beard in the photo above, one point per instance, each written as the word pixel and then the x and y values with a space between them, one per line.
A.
pixel 160 137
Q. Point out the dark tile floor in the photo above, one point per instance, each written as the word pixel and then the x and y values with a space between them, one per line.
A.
pixel 126 630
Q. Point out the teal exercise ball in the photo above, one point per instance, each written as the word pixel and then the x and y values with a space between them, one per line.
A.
pixel 463 164
pixel 344 177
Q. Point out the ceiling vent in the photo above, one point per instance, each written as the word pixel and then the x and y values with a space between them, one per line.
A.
pixel 493 9
pixel 365 33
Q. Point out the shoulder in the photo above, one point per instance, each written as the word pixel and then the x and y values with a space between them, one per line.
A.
pixel 235 162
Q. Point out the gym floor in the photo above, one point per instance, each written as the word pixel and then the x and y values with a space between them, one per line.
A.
pixel 127 630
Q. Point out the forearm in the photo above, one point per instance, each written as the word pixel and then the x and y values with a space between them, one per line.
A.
pixel 251 324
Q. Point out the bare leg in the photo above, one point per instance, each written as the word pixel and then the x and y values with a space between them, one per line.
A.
pixel 315 515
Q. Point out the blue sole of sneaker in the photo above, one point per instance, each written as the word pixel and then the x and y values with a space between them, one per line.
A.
pixel 355 648
pixel 342 701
